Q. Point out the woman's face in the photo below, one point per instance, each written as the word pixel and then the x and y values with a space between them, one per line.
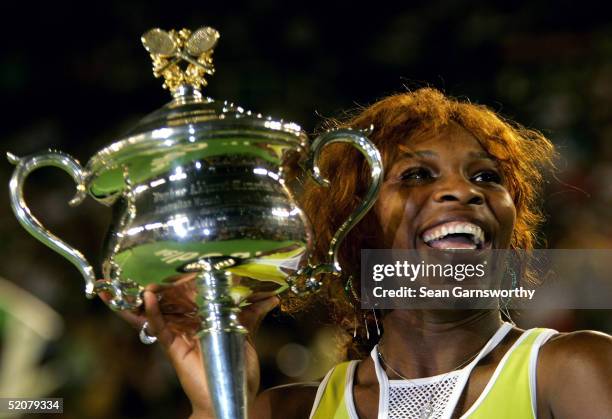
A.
pixel 442 190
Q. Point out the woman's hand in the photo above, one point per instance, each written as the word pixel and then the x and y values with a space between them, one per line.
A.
pixel 171 313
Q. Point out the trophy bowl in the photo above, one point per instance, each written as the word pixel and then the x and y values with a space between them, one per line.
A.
pixel 201 186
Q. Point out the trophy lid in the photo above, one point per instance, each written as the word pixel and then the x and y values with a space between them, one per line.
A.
pixel 189 123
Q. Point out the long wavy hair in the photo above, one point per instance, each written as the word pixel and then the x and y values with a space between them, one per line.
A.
pixel 523 156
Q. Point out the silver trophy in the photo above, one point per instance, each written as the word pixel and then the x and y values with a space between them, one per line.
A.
pixel 200 186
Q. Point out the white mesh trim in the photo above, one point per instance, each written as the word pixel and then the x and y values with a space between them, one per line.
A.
pixel 429 397
pixel 410 400
pixel 422 381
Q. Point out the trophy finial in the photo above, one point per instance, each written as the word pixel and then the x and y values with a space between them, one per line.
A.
pixel 169 49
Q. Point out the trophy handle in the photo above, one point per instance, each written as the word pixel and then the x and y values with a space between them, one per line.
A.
pixel 358 140
pixel 64 161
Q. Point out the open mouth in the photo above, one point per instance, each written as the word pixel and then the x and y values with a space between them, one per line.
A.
pixel 455 235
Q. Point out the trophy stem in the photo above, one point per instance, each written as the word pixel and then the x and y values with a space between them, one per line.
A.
pixel 222 339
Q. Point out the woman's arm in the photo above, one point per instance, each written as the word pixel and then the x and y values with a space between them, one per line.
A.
pixel 575 377
pixel 293 401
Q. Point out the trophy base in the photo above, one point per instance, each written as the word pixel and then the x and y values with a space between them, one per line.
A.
pixel 223 355
pixel 223 343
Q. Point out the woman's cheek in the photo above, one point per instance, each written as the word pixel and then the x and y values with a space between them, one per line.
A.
pixel 402 228
pixel 390 212
pixel 505 212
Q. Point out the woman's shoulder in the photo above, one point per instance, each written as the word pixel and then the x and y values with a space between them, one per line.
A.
pixel 578 348
pixel 574 368
pixel 286 401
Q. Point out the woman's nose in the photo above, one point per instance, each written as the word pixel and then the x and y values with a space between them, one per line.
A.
pixel 460 191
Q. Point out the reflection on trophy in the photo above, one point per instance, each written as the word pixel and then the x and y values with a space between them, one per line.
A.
pixel 200 186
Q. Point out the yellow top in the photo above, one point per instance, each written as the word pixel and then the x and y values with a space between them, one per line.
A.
pixel 509 394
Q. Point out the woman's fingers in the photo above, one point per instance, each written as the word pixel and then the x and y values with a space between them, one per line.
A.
pixel 252 315
pixel 262 295
pixel 180 318
pixel 134 319
pixel 156 323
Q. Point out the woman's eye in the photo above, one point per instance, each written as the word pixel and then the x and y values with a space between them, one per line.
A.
pixel 487 176
pixel 417 173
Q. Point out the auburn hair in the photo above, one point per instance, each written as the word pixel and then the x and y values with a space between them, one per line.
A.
pixel 523 156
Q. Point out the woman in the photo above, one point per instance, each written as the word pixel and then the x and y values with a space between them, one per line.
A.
pixel 445 161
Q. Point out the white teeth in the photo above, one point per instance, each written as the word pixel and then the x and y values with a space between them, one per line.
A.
pixel 454 227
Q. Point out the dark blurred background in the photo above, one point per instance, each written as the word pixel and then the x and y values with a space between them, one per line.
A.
pixel 75 77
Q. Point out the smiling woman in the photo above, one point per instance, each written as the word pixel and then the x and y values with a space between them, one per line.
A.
pixel 450 167
pixel 457 176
